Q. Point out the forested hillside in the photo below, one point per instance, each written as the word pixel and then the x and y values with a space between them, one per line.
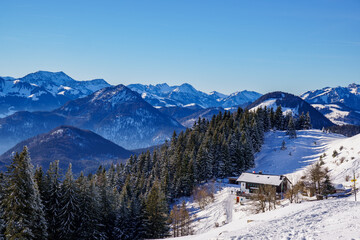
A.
pixel 132 201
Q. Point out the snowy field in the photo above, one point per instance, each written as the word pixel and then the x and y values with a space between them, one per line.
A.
pixel 327 219
pixel 299 152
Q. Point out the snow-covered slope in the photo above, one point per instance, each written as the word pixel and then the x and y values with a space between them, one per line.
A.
pixel 340 104
pixel 299 152
pixel 43 91
pixel 343 164
pixel 327 219
pixel 305 150
pixel 167 96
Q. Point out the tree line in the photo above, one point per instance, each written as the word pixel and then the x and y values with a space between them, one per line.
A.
pixel 133 200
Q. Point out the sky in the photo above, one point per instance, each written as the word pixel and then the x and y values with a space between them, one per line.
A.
pixel 227 46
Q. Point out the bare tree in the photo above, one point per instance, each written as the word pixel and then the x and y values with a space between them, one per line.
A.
pixel 203 195
pixel 265 197
pixel 180 221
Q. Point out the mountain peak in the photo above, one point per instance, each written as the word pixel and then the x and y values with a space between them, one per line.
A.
pixel 83 148
pixel 185 88
pixel 114 94
pixel 41 77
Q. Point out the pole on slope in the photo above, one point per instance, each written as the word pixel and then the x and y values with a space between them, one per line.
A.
pixel 354 180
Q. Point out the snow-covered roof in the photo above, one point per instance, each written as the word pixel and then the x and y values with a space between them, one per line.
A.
pixel 261 178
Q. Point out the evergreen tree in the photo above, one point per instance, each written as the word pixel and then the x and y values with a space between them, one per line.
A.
pixel 70 207
pixel 300 123
pixel 22 205
pixel 107 203
pixel 40 182
pixel 157 212
pixel 278 118
pixel 291 128
pixel 89 214
pixel 51 198
pixel 307 123
pixel 130 221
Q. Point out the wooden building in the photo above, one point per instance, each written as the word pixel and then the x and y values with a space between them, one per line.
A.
pixel 250 182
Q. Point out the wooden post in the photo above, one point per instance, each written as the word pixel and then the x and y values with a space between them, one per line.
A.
pixel 354 179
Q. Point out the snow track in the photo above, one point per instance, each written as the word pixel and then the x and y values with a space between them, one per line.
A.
pixel 327 219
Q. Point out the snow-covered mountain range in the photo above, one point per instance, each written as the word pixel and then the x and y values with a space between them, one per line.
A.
pixel 43 91
pixel 163 95
pixel 340 104
pixel 116 113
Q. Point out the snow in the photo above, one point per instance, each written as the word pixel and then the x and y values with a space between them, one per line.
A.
pixel 333 112
pixel 260 178
pixel 327 219
pixel 304 150
pixel 347 160
pixel 271 103
pixel 333 218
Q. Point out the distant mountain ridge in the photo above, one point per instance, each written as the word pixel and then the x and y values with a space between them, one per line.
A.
pixel 340 104
pixel 116 113
pixel 83 148
pixel 163 95
pixel 43 91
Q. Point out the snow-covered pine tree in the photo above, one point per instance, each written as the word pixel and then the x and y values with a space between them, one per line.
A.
pixel 278 118
pixel 89 228
pixel 300 121
pixel 70 207
pixel 291 131
pixel 307 123
pixel 202 164
pixel 51 199
pixel 107 203
pixel 130 220
pixel 23 211
pixel 40 181
pixel 157 213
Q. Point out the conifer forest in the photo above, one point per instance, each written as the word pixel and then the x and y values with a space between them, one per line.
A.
pixel 133 200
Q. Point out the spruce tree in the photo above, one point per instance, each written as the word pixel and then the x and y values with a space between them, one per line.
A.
pixel 107 203
pixel 307 123
pixel 157 213
pixel 89 228
pixel 291 128
pixel 70 207
pixel 278 118
pixel 23 211
pixel 52 196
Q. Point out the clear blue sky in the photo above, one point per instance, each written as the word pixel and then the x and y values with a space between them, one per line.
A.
pixel 218 45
